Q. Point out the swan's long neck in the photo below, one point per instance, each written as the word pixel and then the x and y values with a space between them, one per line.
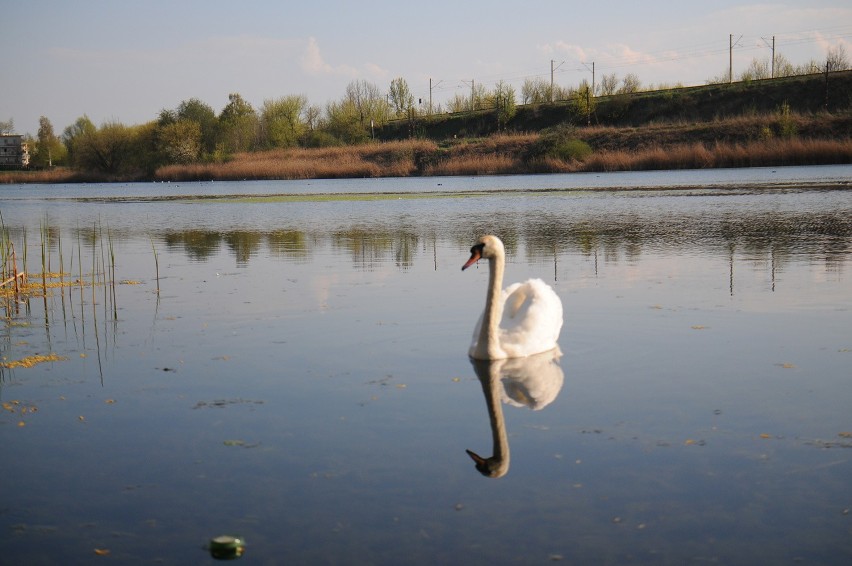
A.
pixel 489 333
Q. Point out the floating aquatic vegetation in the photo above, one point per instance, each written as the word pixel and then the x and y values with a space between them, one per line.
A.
pixel 31 361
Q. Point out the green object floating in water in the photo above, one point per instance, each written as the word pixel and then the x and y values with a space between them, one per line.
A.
pixel 227 547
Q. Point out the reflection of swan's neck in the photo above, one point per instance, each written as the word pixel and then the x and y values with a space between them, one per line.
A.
pixel 488 334
pixel 498 429
pixel 498 464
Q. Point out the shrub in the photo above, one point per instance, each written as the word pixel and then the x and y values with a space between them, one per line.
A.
pixel 786 124
pixel 571 149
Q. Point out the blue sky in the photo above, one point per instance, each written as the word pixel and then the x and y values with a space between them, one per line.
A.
pixel 125 61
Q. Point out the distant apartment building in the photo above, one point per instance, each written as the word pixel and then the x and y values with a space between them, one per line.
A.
pixel 13 151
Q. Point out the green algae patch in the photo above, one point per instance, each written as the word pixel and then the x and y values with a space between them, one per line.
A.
pixel 336 197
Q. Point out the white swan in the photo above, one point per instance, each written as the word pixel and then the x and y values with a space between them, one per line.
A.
pixel 522 320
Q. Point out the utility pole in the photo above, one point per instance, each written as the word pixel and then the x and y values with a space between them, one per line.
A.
pixel 552 68
pixel 592 69
pixel 731 45
pixel 772 75
pixel 472 90
pixel 593 78
pixel 773 56
pixel 551 81
pixel 730 58
pixel 431 86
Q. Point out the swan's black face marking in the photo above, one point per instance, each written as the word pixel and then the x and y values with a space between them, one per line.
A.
pixel 475 255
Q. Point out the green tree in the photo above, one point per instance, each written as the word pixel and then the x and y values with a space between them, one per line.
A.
pixel 535 91
pixel 281 123
pixel 369 104
pixel 237 125
pixel 344 122
pixel 48 150
pixel 351 119
pixel 109 149
pixel 203 115
pixel 73 134
pixel 180 141
pixel 458 103
pixel 583 101
pixel 503 100
pixel 401 99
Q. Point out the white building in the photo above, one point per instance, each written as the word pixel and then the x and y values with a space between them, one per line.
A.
pixel 14 151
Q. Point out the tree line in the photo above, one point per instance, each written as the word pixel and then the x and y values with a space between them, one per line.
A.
pixel 193 132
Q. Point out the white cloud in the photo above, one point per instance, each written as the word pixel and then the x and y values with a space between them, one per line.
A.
pixel 376 72
pixel 563 49
pixel 312 62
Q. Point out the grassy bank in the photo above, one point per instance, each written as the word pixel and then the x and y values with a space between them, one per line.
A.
pixel 774 139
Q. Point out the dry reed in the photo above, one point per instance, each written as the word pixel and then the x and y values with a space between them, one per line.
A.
pixel 474 165
pixel 47 176
pixel 391 159
pixel 773 152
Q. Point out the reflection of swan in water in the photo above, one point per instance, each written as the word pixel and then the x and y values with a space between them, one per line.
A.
pixel 521 320
pixel 532 382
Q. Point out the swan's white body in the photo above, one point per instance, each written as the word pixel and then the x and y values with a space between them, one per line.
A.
pixel 519 321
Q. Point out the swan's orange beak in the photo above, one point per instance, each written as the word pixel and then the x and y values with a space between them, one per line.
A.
pixel 475 255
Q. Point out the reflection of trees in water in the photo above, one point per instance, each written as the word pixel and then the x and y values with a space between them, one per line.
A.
pixel 779 237
pixel 371 247
pixel 766 236
pixel 198 244
pixel 289 244
pixel 244 244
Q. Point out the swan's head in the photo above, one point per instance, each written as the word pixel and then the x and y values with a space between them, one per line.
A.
pixel 486 247
pixel 489 467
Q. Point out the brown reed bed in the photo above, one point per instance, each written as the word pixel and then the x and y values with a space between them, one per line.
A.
pixel 507 154
pixel 468 165
pixel 759 153
pixel 391 159
pixel 46 176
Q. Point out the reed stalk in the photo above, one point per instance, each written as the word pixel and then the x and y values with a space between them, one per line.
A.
pixel 112 274
pixel 156 264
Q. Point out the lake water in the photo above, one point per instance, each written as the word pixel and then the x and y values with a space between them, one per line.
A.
pixel 301 378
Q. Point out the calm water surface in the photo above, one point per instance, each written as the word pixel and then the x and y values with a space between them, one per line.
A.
pixel 301 377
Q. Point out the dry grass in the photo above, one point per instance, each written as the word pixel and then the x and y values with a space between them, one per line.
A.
pixel 773 152
pixel 51 176
pixel 466 165
pixel 504 154
pixel 391 159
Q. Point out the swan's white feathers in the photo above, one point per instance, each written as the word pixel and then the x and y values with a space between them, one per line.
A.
pixel 524 319
pixel 531 320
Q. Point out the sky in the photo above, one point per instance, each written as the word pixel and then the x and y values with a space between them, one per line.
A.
pixel 125 61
